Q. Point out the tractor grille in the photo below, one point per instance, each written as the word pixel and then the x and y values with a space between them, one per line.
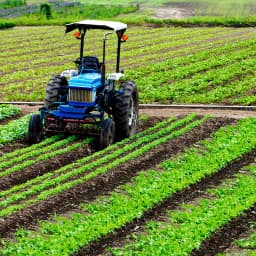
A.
pixel 80 95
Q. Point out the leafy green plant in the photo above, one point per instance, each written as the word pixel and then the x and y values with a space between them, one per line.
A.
pixel 187 228
pixel 64 236
pixel 8 111
pixel 71 177
pixel 14 130
pixel 11 3
pixel 174 71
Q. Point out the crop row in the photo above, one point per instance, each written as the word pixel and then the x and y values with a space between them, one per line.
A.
pixel 156 36
pixel 92 37
pixel 162 43
pixel 14 130
pixel 186 81
pixel 71 175
pixel 187 228
pixel 41 57
pixel 135 51
pixel 211 88
pixel 65 235
pixel 25 160
pixel 33 92
pixel 248 243
pixel 79 162
pixel 8 111
pixel 130 61
pixel 187 59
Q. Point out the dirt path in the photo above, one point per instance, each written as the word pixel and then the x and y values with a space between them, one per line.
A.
pixel 168 112
pixel 105 183
pixel 169 12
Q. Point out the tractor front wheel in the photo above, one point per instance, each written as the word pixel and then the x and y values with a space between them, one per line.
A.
pixel 107 133
pixel 56 91
pixel 125 110
pixel 34 129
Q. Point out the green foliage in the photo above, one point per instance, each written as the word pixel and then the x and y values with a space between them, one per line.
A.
pixel 6 24
pixel 14 130
pixel 49 15
pixel 45 9
pixel 65 236
pixel 212 8
pixel 37 155
pixel 199 65
pixel 11 3
pixel 188 227
pixel 70 175
pixel 8 111
pixel 249 21
pixel 248 243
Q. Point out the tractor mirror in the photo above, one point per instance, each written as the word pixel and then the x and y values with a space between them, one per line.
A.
pixel 124 38
pixel 77 35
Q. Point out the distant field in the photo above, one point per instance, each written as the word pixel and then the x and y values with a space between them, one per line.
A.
pixel 199 7
pixel 172 12
pixel 170 65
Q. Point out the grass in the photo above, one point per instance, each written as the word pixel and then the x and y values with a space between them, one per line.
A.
pixel 204 12
pixel 62 14
pixel 198 7
pixel 11 3
pixel 6 24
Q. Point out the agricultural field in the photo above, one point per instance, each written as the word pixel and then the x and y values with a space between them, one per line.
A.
pixel 184 185
pixel 197 7
pixel 169 64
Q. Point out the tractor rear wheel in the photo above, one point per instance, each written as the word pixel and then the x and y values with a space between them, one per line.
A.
pixel 125 111
pixel 34 129
pixel 107 133
pixel 56 91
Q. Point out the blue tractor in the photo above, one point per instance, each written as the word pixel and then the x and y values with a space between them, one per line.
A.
pixel 85 96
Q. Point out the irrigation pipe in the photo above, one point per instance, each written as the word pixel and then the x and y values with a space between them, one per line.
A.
pixel 158 106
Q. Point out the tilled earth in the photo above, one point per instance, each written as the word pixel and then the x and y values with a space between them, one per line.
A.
pixel 70 199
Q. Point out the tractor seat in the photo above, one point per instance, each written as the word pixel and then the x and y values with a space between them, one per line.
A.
pixel 90 63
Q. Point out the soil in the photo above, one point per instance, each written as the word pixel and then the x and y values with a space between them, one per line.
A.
pixel 168 112
pixel 170 12
pixel 70 199
pixel 215 244
pixel 104 184
pixel 42 167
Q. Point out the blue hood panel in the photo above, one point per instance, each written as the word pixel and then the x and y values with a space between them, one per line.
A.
pixel 89 81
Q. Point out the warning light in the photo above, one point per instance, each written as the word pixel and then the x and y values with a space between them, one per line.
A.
pixel 77 35
pixel 124 38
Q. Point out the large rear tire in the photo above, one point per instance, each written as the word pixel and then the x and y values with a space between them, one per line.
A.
pixel 56 91
pixel 125 111
pixel 34 129
pixel 107 133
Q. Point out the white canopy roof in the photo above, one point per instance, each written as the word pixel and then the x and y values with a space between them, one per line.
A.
pixel 97 24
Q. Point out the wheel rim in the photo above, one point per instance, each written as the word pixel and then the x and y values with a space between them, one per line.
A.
pixel 107 134
pixel 132 114
pixel 111 134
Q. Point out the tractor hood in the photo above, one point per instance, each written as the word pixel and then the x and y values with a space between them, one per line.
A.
pixel 97 24
pixel 83 89
pixel 89 81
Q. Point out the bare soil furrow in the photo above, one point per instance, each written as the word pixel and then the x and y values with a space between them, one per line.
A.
pixel 159 213
pixel 224 237
pixel 104 184
pixel 42 167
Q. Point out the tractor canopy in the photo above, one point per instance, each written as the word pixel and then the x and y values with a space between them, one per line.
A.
pixel 114 26
pixel 97 24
